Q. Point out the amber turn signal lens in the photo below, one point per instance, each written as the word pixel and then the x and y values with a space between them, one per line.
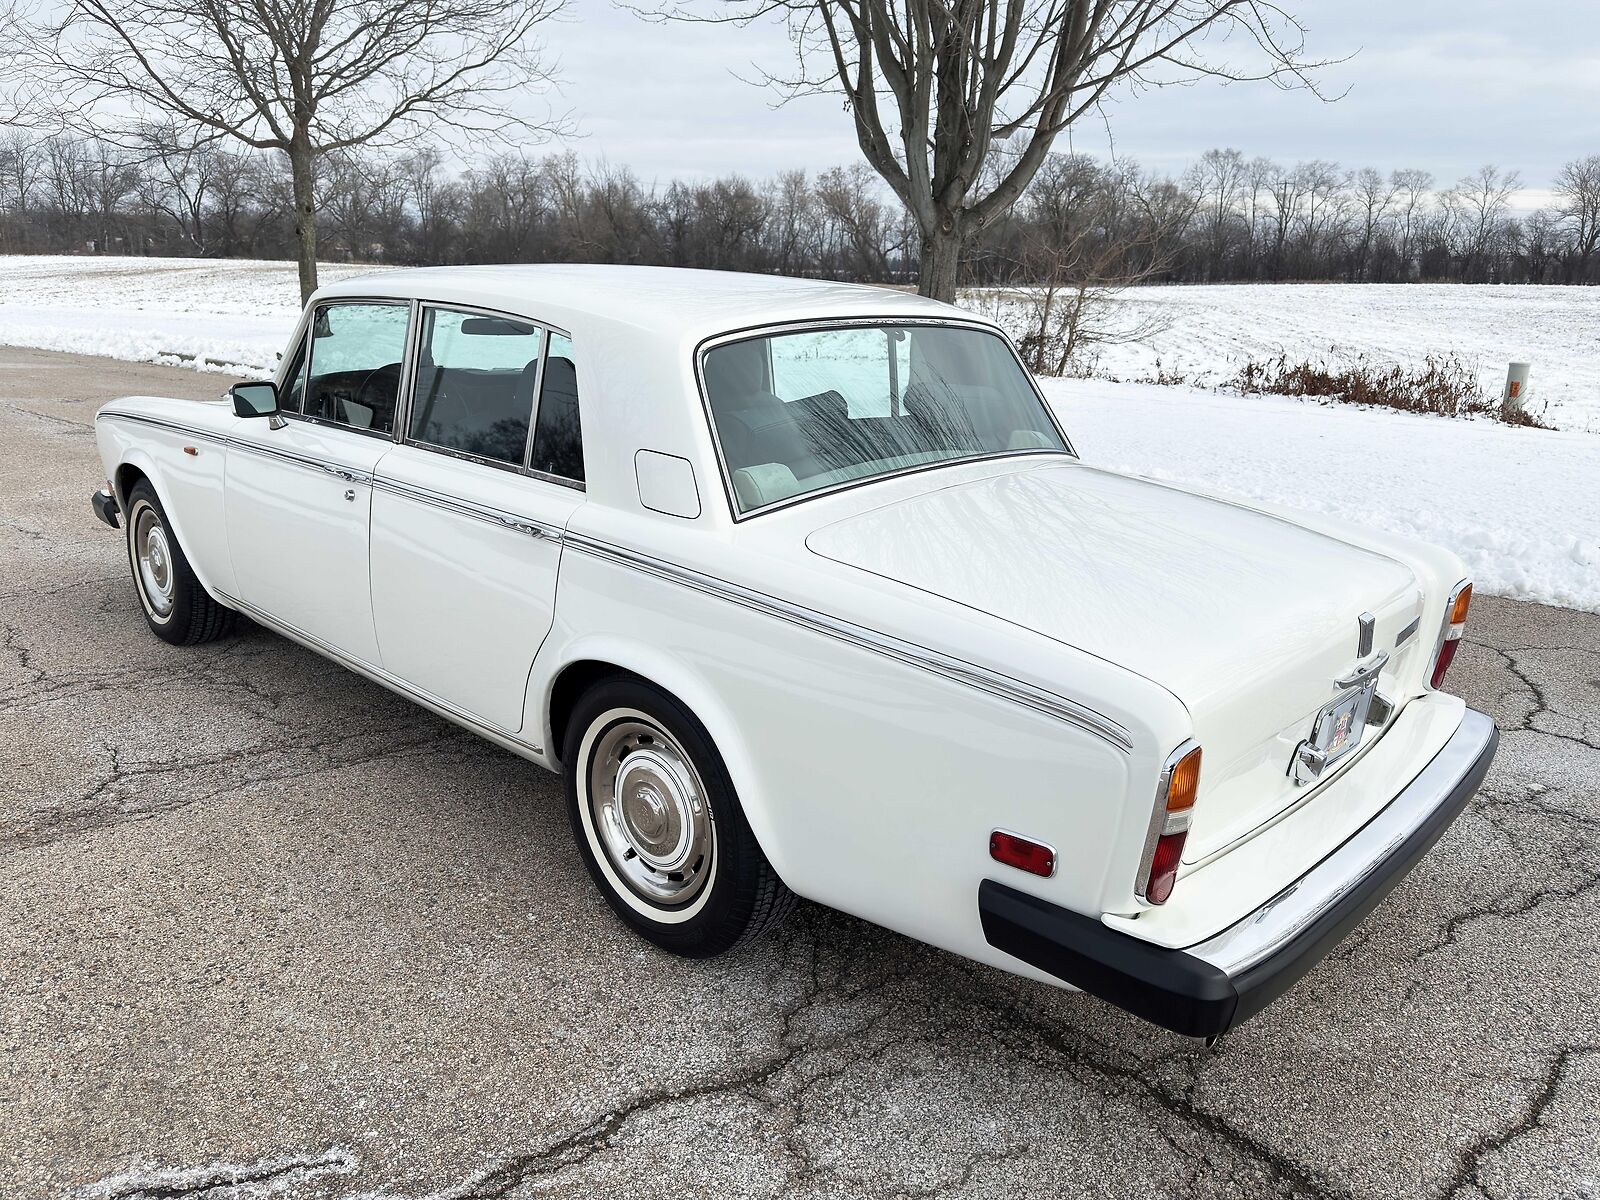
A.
pixel 1185 782
pixel 1458 613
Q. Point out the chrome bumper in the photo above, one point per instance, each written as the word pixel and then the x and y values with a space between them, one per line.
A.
pixel 1228 978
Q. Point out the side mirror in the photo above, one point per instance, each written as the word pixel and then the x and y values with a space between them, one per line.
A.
pixel 256 400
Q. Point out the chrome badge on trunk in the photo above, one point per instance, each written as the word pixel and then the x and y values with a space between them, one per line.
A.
pixel 1338 726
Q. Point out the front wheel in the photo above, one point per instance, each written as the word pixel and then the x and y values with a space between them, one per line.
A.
pixel 176 605
pixel 660 826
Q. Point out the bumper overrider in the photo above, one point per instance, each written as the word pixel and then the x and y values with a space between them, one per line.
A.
pixel 105 507
pixel 1208 989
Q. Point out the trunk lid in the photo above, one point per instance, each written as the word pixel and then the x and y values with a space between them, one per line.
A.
pixel 1245 617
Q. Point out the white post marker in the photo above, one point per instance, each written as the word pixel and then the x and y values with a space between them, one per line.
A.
pixel 1515 398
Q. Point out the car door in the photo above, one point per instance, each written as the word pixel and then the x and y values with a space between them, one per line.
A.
pixel 298 498
pixel 468 511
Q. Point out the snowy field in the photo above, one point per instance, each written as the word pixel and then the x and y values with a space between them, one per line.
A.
pixel 1212 330
pixel 1521 506
pixel 234 313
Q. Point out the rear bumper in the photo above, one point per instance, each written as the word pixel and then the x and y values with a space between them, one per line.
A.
pixel 1210 988
pixel 105 507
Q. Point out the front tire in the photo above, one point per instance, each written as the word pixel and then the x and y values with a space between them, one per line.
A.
pixel 660 826
pixel 176 605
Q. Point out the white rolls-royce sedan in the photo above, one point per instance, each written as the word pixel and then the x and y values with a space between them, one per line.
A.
pixel 805 592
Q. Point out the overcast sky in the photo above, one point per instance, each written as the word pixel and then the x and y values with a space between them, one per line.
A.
pixel 1444 85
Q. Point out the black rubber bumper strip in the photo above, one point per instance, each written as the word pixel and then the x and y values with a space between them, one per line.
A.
pixel 105 507
pixel 1175 989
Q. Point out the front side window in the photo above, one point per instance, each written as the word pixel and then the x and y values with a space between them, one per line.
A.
pixel 475 382
pixel 800 412
pixel 558 437
pixel 356 352
pixel 294 380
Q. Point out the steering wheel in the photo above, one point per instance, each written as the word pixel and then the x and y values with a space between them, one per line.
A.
pixel 390 382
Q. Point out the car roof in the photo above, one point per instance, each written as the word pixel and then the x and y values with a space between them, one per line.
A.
pixel 666 301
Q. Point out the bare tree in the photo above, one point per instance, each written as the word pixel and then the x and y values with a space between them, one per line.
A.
pixel 180 170
pixel 1412 188
pixel 1577 188
pixel 1085 233
pixel 303 77
pixel 1219 178
pixel 936 86
pixel 1477 207
pixel 1374 197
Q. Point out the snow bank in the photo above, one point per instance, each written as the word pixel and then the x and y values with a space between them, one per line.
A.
pixel 1520 506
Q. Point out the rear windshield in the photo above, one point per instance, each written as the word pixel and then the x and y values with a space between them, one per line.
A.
pixel 801 412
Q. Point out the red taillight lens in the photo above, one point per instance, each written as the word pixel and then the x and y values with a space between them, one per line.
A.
pixel 1447 655
pixel 1455 624
pixel 1033 857
pixel 1170 824
pixel 1164 867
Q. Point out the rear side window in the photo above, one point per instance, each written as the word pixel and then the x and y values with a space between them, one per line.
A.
pixel 475 382
pixel 356 351
pixel 558 434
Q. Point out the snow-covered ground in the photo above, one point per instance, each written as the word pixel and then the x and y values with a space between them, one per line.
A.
pixel 233 313
pixel 1212 330
pixel 1521 506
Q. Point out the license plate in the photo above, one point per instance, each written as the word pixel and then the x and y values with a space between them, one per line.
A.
pixel 1338 727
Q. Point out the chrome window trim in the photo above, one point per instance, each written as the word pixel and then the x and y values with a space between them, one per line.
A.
pixel 750 333
pixel 414 360
pixel 407 348
pixel 983 679
pixel 407 438
pixel 581 485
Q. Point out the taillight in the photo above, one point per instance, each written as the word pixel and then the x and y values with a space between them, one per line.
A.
pixel 1455 624
pixel 1169 824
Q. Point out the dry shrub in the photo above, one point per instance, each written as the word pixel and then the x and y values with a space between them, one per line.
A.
pixel 1443 386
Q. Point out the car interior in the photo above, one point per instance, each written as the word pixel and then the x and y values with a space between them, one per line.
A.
pixel 777 448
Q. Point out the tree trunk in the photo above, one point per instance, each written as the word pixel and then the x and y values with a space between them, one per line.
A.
pixel 305 215
pixel 941 254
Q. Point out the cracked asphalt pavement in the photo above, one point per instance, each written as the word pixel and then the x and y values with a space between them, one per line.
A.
pixel 271 931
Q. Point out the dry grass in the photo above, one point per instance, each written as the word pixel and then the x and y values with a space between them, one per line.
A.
pixel 1443 386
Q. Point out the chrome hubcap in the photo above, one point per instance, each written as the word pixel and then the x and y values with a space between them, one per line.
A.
pixel 650 812
pixel 154 556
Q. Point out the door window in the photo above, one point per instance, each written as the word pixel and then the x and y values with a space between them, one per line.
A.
pixel 475 381
pixel 294 380
pixel 356 352
pixel 558 435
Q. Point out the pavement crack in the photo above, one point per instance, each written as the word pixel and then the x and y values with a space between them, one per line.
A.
pixel 1472 1158
pixel 221 1181
pixel 1541 704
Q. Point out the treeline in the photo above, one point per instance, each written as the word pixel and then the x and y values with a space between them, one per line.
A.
pixel 67 195
pixel 1082 222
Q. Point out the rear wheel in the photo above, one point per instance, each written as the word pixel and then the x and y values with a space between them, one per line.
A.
pixel 176 605
pixel 660 826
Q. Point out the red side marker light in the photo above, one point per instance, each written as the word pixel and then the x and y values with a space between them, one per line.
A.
pixel 1033 857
